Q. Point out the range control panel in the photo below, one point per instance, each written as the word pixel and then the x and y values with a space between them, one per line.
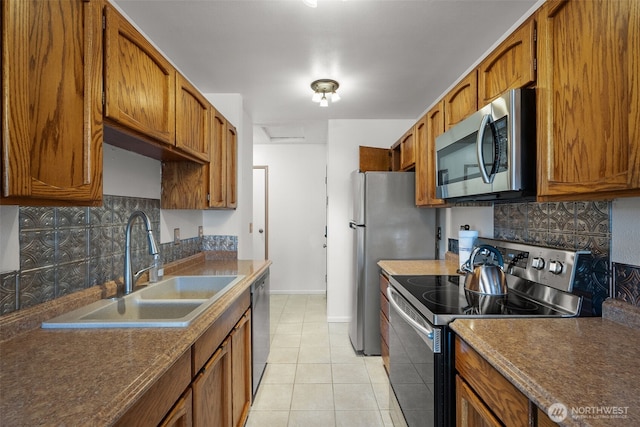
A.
pixel 548 266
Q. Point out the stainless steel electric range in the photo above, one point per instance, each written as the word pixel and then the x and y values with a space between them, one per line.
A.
pixel 421 368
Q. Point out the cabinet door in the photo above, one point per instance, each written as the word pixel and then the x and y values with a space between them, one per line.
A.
pixel 543 419
pixel 140 84
pixel 184 185
pixel 408 150
pixel 231 169
pixel 374 159
pixel 506 402
pixel 193 119
pixel 470 410
pixel 461 101
pixel 241 369
pixel 182 413
pixel 510 66
pixel 431 125
pixel 212 390
pixel 51 102
pixel 218 162
pixel 588 100
pixel 158 401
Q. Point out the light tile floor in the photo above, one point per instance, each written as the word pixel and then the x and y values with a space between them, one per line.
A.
pixel 313 376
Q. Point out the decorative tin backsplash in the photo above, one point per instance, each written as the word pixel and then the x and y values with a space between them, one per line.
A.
pixel 66 249
pixel 567 225
pixel 626 283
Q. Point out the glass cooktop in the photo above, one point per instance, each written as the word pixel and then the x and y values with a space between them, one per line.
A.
pixel 442 298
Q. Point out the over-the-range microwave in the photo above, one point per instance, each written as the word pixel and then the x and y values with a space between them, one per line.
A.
pixel 492 153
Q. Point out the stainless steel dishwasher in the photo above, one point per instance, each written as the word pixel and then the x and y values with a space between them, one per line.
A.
pixel 260 328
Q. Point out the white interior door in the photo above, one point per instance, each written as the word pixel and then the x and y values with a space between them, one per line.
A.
pixel 260 212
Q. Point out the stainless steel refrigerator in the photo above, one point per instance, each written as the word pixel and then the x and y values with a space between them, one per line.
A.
pixel 386 225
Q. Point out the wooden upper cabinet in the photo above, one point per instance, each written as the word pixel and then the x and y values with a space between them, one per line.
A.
pixel 184 185
pixel 374 159
pixel 510 66
pixel 140 84
pixel 588 100
pixel 223 163
pixel 430 126
pixel 422 164
pixel 408 150
pixel 193 119
pixel 218 163
pixel 461 101
pixel 51 102
pixel 232 166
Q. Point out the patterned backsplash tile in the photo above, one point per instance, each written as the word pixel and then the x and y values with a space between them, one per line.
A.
pixel 626 283
pixel 565 225
pixel 66 249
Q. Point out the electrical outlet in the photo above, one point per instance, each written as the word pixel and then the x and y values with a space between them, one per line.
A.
pixel 200 232
pixel 176 236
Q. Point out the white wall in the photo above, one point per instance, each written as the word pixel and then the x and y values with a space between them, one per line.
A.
pixel 297 215
pixel 9 238
pixel 450 219
pixel 235 222
pixel 344 137
pixel 132 175
pixel 625 231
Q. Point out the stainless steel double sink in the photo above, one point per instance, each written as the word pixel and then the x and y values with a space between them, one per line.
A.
pixel 173 302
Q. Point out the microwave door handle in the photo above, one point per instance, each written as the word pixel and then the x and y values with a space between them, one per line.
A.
pixel 483 125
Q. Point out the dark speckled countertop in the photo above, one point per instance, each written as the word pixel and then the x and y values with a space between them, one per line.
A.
pixel 84 377
pixel 590 365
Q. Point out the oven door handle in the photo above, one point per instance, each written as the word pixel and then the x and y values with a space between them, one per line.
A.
pixel 429 333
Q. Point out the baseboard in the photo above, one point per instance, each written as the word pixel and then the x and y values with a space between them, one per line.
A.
pixel 298 292
pixel 338 319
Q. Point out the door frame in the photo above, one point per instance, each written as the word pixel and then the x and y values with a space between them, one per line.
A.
pixel 266 208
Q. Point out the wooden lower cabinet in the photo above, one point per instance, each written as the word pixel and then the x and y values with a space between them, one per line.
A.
pixel 384 321
pixel 182 413
pixel 503 399
pixel 470 409
pixel 241 370
pixel 485 398
pixel 209 385
pixel 212 390
pixel 222 389
pixel 158 401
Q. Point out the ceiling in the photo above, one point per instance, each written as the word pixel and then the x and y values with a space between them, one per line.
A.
pixel 392 58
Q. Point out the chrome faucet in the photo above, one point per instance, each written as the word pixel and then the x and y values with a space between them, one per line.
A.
pixel 129 279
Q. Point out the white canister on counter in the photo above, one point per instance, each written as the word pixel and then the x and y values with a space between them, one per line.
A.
pixel 466 240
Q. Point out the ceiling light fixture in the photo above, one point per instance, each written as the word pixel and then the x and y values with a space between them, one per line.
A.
pixel 323 87
pixel 311 3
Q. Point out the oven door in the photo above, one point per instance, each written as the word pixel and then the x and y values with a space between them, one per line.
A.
pixel 416 366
